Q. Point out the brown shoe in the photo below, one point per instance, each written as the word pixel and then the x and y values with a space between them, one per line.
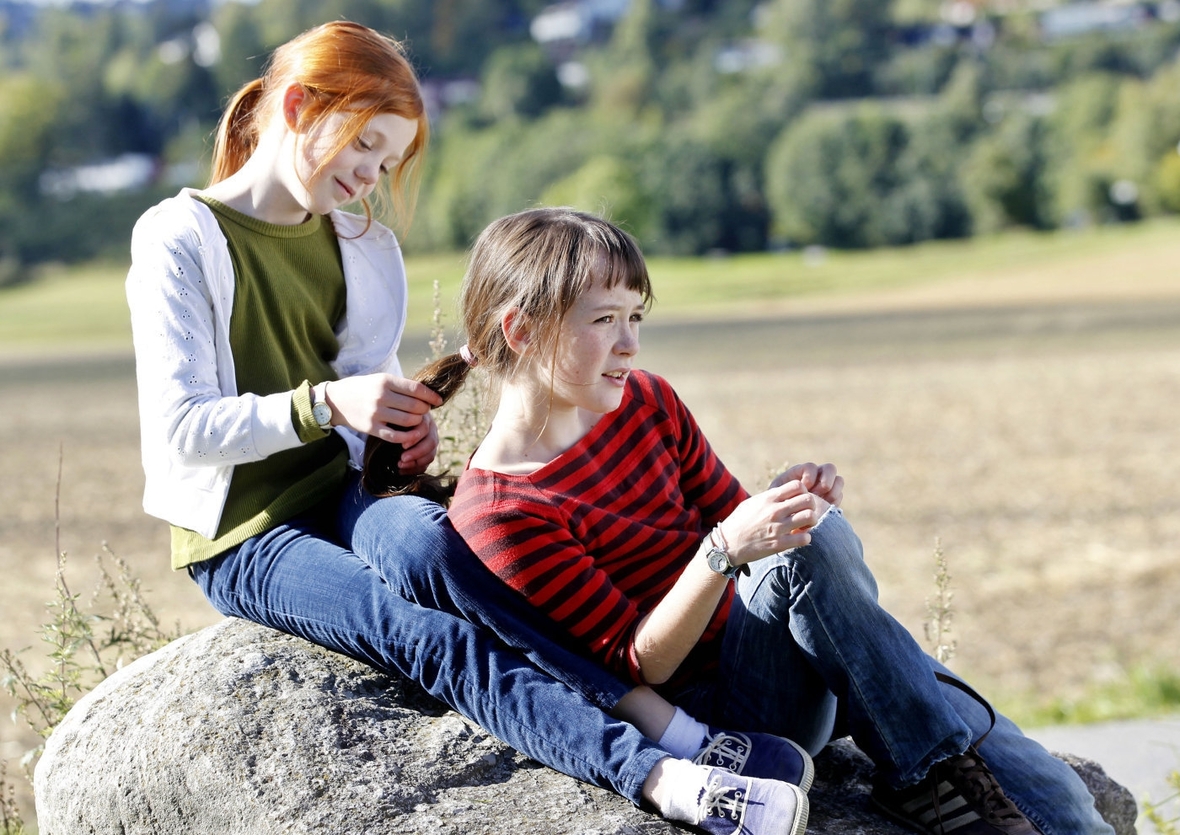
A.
pixel 958 796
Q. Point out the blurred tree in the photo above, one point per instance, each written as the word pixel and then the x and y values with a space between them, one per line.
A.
pixel 519 81
pixel 1167 182
pixel 29 111
pixel 1079 157
pixel 1004 177
pixel 477 174
pixel 1145 136
pixel 625 71
pixel 65 51
pixel 241 46
pixel 833 46
pixel 688 182
pixel 832 175
pixel 607 186
pixel 690 129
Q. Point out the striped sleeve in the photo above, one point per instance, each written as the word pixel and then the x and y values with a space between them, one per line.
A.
pixel 705 482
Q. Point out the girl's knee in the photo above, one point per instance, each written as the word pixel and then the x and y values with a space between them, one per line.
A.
pixel 832 564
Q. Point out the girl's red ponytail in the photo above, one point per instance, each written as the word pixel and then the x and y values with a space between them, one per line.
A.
pixel 237 132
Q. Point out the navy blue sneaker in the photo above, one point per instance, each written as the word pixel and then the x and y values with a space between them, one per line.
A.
pixel 757 755
pixel 731 804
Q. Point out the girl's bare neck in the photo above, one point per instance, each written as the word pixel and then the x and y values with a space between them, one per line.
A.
pixel 257 189
pixel 523 439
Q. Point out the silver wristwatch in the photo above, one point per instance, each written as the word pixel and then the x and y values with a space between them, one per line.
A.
pixel 718 558
pixel 321 412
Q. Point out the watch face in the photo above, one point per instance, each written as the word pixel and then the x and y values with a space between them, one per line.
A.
pixel 718 560
pixel 322 413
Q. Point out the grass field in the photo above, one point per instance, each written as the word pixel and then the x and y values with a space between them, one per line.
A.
pixel 82 308
pixel 1013 398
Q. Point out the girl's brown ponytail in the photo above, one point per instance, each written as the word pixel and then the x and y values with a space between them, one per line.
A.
pixel 381 476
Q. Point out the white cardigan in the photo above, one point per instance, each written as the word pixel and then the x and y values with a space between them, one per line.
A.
pixel 194 426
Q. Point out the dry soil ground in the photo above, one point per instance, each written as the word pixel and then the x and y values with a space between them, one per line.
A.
pixel 1036 439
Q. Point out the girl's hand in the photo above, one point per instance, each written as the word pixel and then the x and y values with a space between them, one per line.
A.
pixel 818 479
pixel 416 458
pixel 773 521
pixel 370 402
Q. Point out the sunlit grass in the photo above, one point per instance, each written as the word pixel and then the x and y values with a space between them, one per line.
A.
pixel 67 308
pixel 746 283
pixel 1142 692
pixel 84 306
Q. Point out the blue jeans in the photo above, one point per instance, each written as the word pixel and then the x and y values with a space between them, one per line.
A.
pixel 397 588
pixel 807 640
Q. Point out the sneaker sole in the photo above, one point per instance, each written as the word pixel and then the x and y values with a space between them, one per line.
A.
pixel 898 819
pixel 913 826
pixel 803 809
pixel 808 767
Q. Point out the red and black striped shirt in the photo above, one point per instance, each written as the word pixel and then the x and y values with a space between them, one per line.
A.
pixel 597 537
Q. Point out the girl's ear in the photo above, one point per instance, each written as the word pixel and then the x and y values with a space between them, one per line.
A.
pixel 515 326
pixel 293 100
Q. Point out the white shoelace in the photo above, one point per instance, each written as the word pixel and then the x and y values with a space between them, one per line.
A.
pixel 723 801
pixel 725 751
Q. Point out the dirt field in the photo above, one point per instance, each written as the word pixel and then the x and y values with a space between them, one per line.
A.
pixel 1036 440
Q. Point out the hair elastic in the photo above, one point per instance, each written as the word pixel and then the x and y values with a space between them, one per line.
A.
pixel 468 357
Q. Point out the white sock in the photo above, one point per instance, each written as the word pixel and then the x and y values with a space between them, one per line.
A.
pixel 679 795
pixel 684 736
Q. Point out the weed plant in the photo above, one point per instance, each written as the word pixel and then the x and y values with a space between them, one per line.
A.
pixel 939 612
pixel 84 646
pixel 11 822
pixel 1164 824
pixel 461 422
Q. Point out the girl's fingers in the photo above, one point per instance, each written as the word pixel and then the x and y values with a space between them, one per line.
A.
pixel 411 395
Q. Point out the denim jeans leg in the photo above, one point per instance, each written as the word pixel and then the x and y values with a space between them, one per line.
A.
pixel 295 580
pixel 412 546
pixel 815 611
pixel 1046 789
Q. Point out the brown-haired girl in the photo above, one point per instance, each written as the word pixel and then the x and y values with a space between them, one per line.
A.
pixel 597 498
pixel 266 324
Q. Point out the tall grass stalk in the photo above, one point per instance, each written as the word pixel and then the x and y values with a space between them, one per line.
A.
pixel 1153 812
pixel 461 422
pixel 11 822
pixel 939 611
pixel 84 647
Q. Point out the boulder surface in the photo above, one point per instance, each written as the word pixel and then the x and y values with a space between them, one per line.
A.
pixel 241 729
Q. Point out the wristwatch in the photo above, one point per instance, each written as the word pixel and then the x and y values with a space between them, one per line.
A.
pixel 321 412
pixel 718 558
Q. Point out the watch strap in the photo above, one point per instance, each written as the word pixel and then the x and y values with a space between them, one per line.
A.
pixel 306 427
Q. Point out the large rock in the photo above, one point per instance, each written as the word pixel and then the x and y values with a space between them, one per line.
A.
pixel 241 730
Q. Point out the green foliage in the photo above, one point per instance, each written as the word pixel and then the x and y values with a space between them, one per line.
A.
pixel 1165 823
pixel 11 822
pixel 836 45
pixel 1167 181
pixel 28 107
pixel 1003 178
pixel 833 179
pixel 519 82
pixel 82 647
pixel 478 174
pixel 607 186
pixel 1070 122
pixel 1141 691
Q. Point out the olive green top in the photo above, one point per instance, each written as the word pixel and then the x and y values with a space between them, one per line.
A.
pixel 289 296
